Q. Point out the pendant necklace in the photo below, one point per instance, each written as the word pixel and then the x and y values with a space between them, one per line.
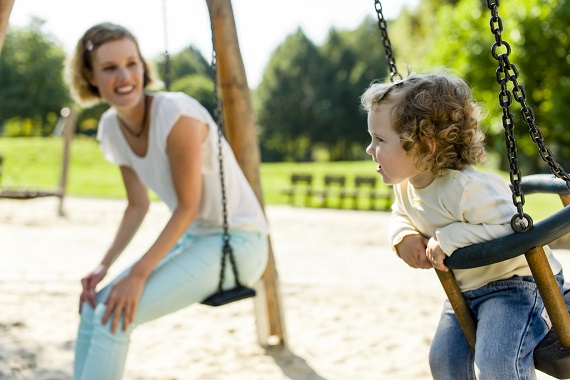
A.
pixel 128 129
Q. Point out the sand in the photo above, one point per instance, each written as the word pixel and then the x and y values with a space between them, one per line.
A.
pixel 352 309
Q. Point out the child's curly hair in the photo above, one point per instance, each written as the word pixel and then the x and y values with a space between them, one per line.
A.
pixel 434 107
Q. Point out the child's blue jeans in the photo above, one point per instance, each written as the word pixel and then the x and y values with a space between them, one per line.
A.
pixel 510 319
pixel 188 274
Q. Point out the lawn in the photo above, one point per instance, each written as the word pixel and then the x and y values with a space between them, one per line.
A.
pixel 36 163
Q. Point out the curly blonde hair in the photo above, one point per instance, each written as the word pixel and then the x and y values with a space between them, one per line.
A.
pixel 81 64
pixel 436 108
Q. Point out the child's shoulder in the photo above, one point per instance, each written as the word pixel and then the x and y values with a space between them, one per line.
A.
pixel 471 179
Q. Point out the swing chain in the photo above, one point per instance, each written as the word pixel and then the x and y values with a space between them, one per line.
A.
pixel 507 71
pixel 167 74
pixel 383 26
pixel 227 249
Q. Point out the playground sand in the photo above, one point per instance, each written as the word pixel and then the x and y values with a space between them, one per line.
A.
pixel 352 309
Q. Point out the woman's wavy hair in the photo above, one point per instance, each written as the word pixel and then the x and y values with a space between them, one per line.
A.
pixel 81 63
pixel 437 108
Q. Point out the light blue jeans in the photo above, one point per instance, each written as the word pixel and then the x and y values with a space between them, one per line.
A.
pixel 510 324
pixel 188 274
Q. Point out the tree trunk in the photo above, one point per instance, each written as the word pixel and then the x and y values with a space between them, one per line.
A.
pixel 5 10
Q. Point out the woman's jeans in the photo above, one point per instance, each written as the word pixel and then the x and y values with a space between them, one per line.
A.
pixel 511 322
pixel 188 274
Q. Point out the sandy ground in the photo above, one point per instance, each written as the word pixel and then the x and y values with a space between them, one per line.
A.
pixel 352 309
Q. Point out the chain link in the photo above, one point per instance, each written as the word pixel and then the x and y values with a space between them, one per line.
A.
pixel 227 249
pixel 507 72
pixel 383 26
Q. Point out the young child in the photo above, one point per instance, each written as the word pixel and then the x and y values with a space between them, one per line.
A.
pixel 426 138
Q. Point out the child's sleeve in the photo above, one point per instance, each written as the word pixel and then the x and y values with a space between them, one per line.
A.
pixel 400 225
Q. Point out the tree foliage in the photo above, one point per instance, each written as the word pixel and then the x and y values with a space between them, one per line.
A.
pixel 457 35
pixel 32 86
pixel 309 95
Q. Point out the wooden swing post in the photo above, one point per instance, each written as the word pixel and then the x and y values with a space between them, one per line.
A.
pixel 5 10
pixel 241 135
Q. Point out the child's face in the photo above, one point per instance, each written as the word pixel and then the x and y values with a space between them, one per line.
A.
pixel 394 164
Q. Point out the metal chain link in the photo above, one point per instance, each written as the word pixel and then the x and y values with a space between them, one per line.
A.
pixel 227 249
pixel 383 26
pixel 167 74
pixel 507 71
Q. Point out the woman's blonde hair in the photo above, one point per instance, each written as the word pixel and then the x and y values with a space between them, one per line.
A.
pixel 81 63
pixel 437 108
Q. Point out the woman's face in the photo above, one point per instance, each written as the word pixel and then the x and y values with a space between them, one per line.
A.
pixel 118 73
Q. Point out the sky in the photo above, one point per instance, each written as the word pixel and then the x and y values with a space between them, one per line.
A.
pixel 261 24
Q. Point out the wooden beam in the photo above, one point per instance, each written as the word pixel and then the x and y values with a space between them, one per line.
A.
pixel 5 10
pixel 240 132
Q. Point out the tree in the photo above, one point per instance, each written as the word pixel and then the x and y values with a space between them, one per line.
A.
pixel 309 95
pixel 353 60
pixel 31 77
pixel 457 35
pixel 287 99
pixel 188 61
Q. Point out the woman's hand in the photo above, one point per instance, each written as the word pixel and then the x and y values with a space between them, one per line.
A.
pixel 435 255
pixel 412 249
pixel 89 283
pixel 123 299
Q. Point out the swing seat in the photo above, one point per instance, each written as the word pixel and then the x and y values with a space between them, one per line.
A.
pixel 224 297
pixel 550 356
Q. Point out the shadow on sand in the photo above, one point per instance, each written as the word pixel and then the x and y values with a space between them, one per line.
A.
pixel 293 366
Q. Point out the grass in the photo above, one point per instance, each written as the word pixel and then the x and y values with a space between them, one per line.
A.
pixel 34 163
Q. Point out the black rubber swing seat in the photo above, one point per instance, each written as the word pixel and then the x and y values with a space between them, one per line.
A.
pixel 224 297
pixel 549 356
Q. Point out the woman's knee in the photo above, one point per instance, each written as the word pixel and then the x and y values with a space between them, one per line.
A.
pixel 105 328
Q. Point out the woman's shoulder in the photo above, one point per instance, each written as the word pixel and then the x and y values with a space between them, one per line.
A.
pixel 174 97
pixel 178 101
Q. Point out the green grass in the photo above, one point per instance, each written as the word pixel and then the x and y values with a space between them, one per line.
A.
pixel 35 163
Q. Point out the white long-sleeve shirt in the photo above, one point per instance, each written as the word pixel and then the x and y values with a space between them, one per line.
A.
pixel 461 208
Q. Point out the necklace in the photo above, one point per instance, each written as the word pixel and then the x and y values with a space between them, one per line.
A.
pixel 128 129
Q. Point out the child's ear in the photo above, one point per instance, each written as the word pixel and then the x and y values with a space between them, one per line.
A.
pixel 431 145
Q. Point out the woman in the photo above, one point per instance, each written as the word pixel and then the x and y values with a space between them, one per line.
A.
pixel 166 142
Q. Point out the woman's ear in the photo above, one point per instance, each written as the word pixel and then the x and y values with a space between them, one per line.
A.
pixel 90 78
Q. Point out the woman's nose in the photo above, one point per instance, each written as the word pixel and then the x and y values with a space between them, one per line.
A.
pixel 122 72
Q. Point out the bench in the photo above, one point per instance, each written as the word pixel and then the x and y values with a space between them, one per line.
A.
pixel 365 187
pixel 301 185
pixel 334 187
